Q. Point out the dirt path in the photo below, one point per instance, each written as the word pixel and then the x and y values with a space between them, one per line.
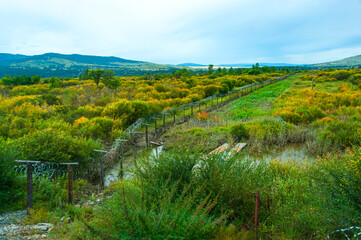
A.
pixel 11 227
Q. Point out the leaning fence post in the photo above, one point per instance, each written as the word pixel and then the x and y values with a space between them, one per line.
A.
pixel 101 167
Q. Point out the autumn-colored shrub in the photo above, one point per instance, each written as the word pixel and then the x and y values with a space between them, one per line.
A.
pixel 98 127
pixel 202 116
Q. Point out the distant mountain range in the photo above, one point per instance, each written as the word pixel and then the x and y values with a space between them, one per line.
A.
pixel 354 61
pixel 237 65
pixel 63 65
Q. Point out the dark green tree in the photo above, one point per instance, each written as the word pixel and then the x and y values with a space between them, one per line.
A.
pixel 108 79
pixel 210 69
pixel 95 75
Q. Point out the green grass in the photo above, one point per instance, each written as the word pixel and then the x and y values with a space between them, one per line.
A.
pixel 255 104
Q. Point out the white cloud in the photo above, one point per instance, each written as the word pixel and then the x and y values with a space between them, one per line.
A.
pixel 170 31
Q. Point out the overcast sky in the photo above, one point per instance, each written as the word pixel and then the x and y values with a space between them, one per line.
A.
pixel 200 31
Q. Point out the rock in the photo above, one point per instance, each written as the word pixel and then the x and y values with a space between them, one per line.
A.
pixel 42 226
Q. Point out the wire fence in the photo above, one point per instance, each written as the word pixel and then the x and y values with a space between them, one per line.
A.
pixel 183 113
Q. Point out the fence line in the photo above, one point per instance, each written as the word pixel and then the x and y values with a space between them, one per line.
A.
pixel 217 100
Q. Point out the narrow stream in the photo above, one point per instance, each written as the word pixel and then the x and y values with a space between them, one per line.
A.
pixel 294 152
pixel 113 174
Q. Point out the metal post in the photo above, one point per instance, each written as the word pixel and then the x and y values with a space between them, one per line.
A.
pixel 135 140
pixel 155 126
pixel 121 156
pixel 101 167
pixel 192 110
pixel 174 117
pixel 184 115
pixel 70 184
pixel 256 211
pixel 29 186
pixel 163 121
pixel 102 172
pixel 146 136
pixel 29 182
pixel 217 102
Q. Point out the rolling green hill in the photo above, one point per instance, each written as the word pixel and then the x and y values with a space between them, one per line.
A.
pixel 354 61
pixel 62 65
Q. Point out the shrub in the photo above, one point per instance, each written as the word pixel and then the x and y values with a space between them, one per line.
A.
pixel 51 145
pixel 11 185
pixel 239 131
pixel 229 83
pixel 342 134
pixel 355 79
pixel 224 88
pixel 339 184
pixel 202 116
pixel 340 75
pixel 211 90
pixel 132 214
pixel 128 112
pixel 97 128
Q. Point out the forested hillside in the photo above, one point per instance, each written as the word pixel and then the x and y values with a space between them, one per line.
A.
pixel 62 65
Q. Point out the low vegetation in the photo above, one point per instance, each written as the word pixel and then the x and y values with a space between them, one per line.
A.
pixel 187 193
